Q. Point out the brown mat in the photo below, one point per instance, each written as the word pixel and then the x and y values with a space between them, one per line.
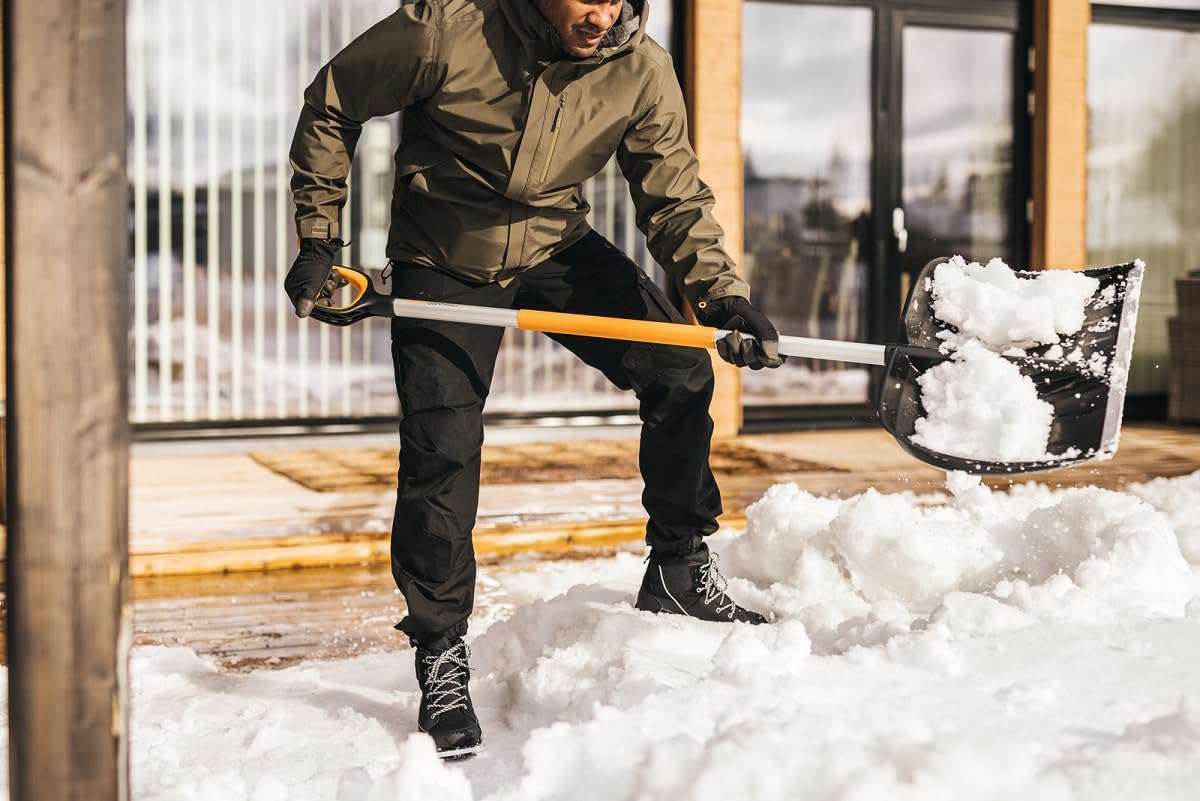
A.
pixel 368 469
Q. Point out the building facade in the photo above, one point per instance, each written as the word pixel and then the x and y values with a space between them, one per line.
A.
pixel 848 142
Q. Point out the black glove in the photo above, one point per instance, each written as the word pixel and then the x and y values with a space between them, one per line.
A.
pixel 734 313
pixel 309 272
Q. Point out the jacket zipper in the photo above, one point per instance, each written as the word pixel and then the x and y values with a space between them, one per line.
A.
pixel 562 103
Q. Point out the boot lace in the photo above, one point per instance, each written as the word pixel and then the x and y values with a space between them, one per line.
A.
pixel 712 586
pixel 447 687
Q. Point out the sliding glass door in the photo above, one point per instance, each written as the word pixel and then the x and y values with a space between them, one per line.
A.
pixel 876 136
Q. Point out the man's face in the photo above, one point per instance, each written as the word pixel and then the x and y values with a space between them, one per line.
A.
pixel 581 24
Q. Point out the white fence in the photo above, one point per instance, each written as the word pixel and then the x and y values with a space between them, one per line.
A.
pixel 215 88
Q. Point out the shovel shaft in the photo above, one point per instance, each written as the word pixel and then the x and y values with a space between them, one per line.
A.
pixel 690 336
pixel 857 352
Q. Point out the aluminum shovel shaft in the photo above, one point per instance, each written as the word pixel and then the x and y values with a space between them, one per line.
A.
pixel 683 334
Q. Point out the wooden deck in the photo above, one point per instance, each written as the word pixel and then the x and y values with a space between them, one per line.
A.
pixel 205 527
pixel 231 513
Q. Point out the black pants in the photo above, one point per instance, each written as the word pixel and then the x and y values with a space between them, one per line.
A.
pixel 443 374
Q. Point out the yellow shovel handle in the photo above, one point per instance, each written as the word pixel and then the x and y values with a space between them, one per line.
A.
pixel 688 336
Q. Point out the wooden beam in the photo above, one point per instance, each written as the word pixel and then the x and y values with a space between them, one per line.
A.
pixel 3 272
pixel 713 90
pixel 68 435
pixel 1060 133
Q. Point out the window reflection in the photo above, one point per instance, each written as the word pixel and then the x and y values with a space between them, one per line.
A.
pixel 1143 170
pixel 806 134
pixel 958 137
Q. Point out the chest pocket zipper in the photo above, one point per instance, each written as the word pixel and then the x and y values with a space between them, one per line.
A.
pixel 554 127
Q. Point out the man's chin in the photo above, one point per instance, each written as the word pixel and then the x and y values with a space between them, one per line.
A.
pixel 582 52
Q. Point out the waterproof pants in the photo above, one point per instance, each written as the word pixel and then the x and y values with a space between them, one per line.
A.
pixel 443 374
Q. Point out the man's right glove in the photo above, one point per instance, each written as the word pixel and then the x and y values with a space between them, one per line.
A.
pixel 734 313
pixel 309 272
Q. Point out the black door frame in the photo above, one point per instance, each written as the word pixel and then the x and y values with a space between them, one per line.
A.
pixel 891 21
pixel 883 301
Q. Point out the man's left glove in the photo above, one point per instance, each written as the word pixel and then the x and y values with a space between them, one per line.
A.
pixel 309 272
pixel 734 313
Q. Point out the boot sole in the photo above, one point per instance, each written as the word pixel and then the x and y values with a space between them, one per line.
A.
pixel 458 754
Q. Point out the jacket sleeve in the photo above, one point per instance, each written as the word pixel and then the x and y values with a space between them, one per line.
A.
pixel 389 67
pixel 674 207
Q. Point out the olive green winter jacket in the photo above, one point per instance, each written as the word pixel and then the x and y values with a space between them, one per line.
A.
pixel 500 128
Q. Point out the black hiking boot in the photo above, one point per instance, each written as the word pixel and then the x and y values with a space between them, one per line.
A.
pixel 446 713
pixel 690 585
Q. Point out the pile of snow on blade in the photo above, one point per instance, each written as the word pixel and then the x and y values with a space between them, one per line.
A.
pixel 979 405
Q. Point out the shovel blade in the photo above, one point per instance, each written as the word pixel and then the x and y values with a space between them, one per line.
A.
pixel 1087 391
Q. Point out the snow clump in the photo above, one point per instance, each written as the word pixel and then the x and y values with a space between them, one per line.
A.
pixel 994 305
pixel 874 563
pixel 980 405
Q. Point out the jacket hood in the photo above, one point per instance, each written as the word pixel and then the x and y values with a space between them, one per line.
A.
pixel 627 25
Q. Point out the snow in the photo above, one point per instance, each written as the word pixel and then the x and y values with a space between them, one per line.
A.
pixel 994 305
pixel 974 644
pixel 1179 500
pixel 979 405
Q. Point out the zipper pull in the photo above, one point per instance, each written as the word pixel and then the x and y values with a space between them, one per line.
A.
pixel 562 103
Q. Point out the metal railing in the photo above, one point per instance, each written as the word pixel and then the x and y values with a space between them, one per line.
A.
pixel 214 89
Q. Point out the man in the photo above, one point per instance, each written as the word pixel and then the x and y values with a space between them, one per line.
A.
pixel 509 105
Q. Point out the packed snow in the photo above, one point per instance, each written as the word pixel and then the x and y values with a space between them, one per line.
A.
pixel 1035 644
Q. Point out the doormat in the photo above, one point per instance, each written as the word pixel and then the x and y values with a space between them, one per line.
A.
pixel 374 469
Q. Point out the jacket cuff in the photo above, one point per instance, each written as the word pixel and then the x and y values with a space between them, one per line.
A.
pixel 737 288
pixel 317 228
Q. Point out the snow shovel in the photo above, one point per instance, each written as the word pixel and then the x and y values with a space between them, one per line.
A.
pixel 1086 392
pixel 1087 408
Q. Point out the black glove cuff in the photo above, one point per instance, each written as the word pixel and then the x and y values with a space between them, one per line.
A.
pixel 718 311
pixel 323 249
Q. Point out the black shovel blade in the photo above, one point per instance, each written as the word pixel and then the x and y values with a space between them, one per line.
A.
pixel 1087 392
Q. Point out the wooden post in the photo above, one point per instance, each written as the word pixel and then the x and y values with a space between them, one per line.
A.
pixel 713 90
pixel 67 568
pixel 3 272
pixel 1060 133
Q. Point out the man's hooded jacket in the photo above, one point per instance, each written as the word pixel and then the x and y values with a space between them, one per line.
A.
pixel 500 128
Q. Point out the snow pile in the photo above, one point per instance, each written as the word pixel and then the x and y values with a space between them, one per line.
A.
pixel 1085 555
pixel 1035 644
pixel 994 305
pixel 1179 500
pixel 980 405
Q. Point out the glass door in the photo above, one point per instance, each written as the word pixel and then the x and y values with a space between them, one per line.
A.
pixel 876 136
pixel 956 147
pixel 806 138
